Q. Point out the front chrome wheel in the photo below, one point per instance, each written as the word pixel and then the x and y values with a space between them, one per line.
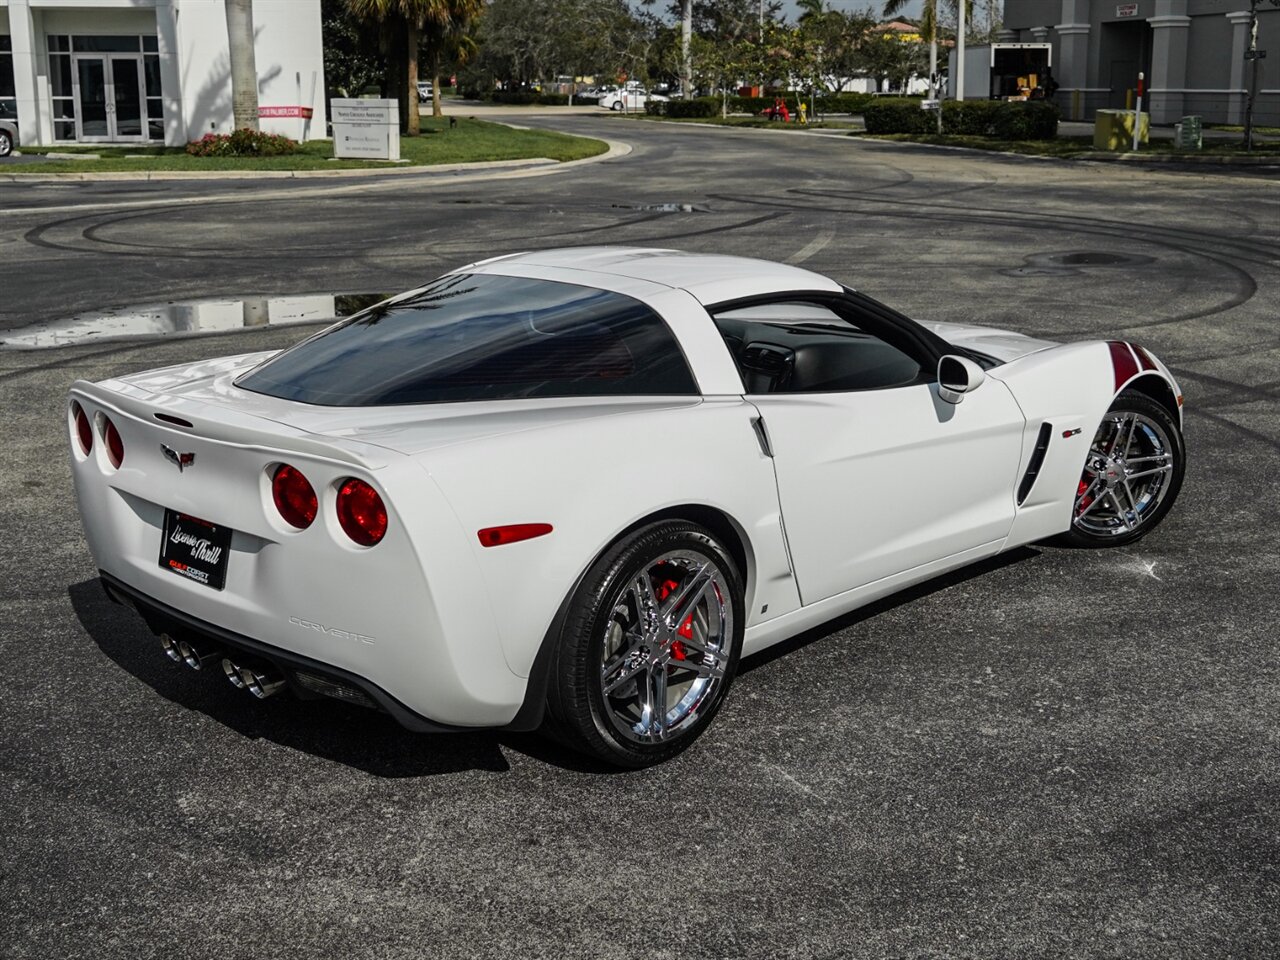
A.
pixel 1132 474
pixel 666 646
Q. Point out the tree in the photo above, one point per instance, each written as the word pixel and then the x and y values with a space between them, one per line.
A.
pixel 446 38
pixel 352 63
pixel 406 24
pixel 834 45
pixel 244 67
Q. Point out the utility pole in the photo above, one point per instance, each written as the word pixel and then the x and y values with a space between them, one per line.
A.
pixel 960 32
pixel 686 33
pixel 1252 54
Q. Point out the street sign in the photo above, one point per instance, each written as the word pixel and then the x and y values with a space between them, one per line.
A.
pixel 1255 54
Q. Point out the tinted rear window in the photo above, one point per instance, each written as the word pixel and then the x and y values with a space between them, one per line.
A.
pixel 483 337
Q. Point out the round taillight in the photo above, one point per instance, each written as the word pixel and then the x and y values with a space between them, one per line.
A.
pixel 361 512
pixel 84 432
pixel 115 446
pixel 294 496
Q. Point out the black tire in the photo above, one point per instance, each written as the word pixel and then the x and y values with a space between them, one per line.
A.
pixel 605 643
pixel 1154 453
pixel 6 143
pixel 617 105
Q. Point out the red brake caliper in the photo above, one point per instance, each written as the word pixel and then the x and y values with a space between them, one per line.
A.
pixel 1080 493
pixel 686 629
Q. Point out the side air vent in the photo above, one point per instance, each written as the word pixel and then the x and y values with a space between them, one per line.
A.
pixel 1037 458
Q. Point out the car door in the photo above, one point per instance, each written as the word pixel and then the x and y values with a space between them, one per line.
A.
pixel 877 475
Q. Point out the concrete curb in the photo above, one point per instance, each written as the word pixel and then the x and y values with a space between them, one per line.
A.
pixel 531 166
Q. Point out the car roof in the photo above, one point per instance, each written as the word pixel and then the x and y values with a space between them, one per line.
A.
pixel 709 277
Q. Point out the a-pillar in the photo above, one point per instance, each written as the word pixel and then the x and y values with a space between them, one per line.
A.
pixel 1168 81
pixel 1238 80
pixel 1071 69
pixel 175 123
pixel 23 37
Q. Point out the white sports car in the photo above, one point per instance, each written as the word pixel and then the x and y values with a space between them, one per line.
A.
pixel 570 489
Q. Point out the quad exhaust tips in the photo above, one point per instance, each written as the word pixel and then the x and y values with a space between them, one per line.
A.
pixel 260 681
pixel 182 651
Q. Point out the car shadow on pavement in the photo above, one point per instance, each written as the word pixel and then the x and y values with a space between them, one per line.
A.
pixel 351 735
pixel 902 598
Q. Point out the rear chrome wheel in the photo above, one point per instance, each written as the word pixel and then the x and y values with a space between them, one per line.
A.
pixel 650 646
pixel 1132 474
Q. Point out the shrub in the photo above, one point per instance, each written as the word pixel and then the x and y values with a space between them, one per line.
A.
pixel 699 107
pixel 526 97
pixel 973 118
pixel 898 115
pixel 1028 120
pixel 242 143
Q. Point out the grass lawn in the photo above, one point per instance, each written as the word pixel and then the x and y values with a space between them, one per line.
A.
pixel 1074 148
pixel 470 141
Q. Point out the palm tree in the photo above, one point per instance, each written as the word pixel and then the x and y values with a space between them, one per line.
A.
pixel 448 37
pixel 412 15
pixel 244 68
pixel 816 8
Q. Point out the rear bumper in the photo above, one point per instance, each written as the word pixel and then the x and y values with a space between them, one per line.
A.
pixel 162 618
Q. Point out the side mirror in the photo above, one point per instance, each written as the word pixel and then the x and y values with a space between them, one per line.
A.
pixel 958 376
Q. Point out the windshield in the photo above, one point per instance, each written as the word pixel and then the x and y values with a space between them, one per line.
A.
pixel 483 337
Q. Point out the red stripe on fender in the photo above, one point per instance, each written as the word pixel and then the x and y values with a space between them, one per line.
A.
pixel 1143 357
pixel 512 533
pixel 1122 362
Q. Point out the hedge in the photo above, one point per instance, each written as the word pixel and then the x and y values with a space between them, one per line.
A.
pixel 825 103
pixel 526 97
pixel 700 107
pixel 1012 120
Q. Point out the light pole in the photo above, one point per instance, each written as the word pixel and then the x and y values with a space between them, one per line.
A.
pixel 960 32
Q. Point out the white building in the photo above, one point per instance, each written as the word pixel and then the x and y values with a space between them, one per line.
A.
pixel 158 71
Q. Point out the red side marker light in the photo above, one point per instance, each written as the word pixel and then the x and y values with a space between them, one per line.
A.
pixel 361 512
pixel 512 533
pixel 84 432
pixel 115 446
pixel 294 496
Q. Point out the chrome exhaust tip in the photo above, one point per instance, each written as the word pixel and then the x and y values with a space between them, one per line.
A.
pixel 262 682
pixel 170 647
pixel 195 658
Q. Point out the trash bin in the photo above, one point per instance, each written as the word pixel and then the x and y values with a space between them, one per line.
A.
pixel 1188 134
pixel 1113 130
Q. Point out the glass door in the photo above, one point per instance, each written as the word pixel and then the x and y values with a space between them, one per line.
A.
pixel 91 99
pixel 126 97
pixel 109 98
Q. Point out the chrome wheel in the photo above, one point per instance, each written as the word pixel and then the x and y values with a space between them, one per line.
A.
pixel 666 646
pixel 1127 475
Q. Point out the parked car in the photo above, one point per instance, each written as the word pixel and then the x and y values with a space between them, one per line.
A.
pixel 629 99
pixel 570 489
pixel 424 90
pixel 8 137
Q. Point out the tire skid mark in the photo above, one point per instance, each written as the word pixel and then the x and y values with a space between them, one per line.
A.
pixel 1247 285
pixel 1245 246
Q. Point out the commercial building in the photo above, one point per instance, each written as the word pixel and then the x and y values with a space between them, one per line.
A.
pixel 1193 53
pixel 153 71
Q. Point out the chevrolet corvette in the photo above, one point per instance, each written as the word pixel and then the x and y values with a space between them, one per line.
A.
pixel 569 490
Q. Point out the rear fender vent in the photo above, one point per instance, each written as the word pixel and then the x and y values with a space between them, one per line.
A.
pixel 1037 458
pixel 328 687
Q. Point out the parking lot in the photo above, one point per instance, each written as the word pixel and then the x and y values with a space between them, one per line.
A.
pixel 1055 753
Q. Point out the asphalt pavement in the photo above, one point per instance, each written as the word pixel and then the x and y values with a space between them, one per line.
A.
pixel 1055 753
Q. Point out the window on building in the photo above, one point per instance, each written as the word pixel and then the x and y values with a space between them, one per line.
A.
pixel 61 94
pixel 8 91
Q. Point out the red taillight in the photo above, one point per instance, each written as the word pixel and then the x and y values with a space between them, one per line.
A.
pixel 512 533
pixel 115 446
pixel 294 496
pixel 84 432
pixel 361 512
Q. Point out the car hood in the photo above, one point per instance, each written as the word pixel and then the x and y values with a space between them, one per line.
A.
pixel 1004 345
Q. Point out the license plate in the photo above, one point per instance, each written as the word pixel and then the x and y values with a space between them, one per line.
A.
pixel 195 549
